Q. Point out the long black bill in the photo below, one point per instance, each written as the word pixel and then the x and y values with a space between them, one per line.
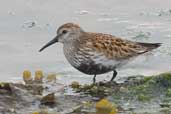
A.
pixel 49 43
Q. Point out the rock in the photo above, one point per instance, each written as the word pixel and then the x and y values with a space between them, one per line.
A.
pixel 105 107
pixel 48 99
pixel 51 78
pixel 75 84
pixel 38 76
pixel 5 88
pixel 27 77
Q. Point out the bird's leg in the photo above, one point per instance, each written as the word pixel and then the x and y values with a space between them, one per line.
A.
pixel 94 78
pixel 114 75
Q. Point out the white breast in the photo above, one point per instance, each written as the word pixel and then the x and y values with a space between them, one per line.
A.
pixel 104 61
pixel 74 58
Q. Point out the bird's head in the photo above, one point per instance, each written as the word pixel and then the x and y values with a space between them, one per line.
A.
pixel 66 33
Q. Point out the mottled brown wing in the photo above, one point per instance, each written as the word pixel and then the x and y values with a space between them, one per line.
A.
pixel 113 47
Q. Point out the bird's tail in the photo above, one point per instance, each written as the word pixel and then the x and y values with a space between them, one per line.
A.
pixel 150 46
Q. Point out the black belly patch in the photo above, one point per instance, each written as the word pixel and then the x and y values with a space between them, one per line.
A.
pixel 92 68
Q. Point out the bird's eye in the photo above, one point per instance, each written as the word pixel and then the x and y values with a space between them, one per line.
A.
pixel 64 31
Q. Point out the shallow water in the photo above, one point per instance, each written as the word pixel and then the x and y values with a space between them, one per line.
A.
pixel 26 25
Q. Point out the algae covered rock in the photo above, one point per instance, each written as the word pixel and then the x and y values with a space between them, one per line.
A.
pixel 135 95
pixel 38 76
pixel 105 107
pixel 48 99
pixel 5 88
pixel 75 84
pixel 168 92
pixel 27 77
pixel 51 77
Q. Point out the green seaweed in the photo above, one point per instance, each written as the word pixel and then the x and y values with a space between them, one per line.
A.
pixel 143 97
pixel 168 92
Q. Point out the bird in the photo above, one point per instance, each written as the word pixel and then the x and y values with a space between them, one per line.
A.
pixel 97 53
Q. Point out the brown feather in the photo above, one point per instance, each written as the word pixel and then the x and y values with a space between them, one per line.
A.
pixel 116 48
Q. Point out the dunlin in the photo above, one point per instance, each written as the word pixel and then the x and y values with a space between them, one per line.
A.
pixel 97 53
